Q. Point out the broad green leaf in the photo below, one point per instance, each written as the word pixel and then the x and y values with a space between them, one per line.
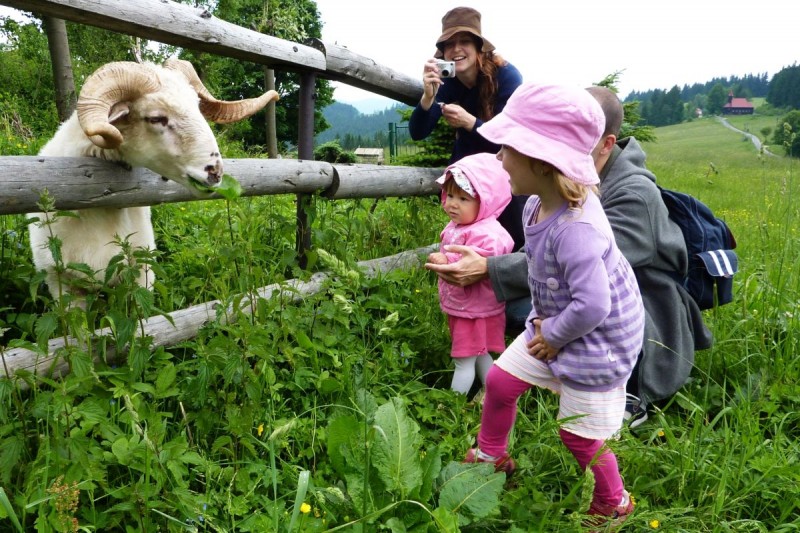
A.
pixel 166 377
pixel 431 467
pixel 471 490
pixel 341 431
pixel 396 448
pixel 229 188
pixel 10 454
pixel 45 326
pixel 446 520
pixel 81 364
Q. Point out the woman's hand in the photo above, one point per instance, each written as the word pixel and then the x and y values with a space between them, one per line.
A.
pixel 458 117
pixel 430 84
pixel 538 346
pixel 471 268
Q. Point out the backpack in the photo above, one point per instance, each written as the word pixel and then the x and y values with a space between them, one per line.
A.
pixel 710 243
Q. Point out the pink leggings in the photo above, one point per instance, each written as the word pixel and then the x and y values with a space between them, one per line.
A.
pixel 499 412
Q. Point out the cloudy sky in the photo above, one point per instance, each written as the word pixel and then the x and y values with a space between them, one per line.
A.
pixel 656 44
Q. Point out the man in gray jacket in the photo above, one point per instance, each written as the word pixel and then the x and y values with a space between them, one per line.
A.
pixel 651 243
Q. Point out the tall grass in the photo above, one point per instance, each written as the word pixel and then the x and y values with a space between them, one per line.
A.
pixel 334 413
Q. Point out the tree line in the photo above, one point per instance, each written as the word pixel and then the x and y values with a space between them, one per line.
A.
pixel 661 107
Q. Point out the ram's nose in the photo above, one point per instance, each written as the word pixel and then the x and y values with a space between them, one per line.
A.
pixel 214 172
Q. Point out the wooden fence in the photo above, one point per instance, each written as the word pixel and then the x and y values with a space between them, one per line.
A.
pixel 78 183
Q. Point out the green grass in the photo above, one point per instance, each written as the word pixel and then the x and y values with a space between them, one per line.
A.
pixel 334 414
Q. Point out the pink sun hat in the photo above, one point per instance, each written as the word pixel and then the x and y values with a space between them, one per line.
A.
pixel 554 123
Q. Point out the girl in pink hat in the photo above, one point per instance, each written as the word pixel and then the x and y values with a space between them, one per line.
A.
pixel 475 190
pixel 586 327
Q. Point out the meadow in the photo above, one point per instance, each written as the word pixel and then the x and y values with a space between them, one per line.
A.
pixel 334 413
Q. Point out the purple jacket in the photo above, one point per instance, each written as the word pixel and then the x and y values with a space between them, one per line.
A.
pixel 485 235
pixel 585 292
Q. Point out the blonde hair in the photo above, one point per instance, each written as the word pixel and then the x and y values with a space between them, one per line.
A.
pixel 573 193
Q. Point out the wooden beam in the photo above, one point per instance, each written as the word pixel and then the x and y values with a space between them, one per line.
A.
pixel 189 27
pixel 83 182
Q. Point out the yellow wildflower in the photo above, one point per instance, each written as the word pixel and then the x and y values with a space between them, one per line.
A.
pixel 305 508
pixel 260 429
pixel 654 524
pixel 660 432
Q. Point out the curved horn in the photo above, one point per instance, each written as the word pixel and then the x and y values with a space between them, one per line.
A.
pixel 220 111
pixel 110 84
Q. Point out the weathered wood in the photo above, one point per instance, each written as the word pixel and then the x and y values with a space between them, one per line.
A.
pixel 188 27
pixel 364 73
pixel 380 181
pixel 187 322
pixel 181 25
pixel 81 182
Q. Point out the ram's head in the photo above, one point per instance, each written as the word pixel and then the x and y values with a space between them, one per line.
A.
pixel 156 117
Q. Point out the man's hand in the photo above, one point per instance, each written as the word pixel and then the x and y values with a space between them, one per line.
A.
pixel 538 346
pixel 466 271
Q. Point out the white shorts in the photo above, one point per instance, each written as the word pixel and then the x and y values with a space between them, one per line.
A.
pixel 588 414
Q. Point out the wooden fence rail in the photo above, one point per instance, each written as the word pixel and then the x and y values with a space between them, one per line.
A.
pixel 82 182
pixel 189 27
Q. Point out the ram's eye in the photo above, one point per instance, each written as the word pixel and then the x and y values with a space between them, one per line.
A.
pixel 157 120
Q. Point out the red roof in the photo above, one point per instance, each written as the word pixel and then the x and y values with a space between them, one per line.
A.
pixel 739 102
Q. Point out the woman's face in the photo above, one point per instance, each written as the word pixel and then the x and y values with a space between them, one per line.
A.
pixel 461 49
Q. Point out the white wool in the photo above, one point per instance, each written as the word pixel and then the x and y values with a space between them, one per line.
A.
pixel 164 132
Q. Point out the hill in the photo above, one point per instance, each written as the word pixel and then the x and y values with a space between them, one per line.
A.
pixel 346 120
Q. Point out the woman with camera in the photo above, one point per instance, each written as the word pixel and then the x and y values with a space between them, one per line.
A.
pixel 467 83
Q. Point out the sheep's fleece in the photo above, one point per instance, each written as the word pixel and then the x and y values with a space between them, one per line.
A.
pixel 141 115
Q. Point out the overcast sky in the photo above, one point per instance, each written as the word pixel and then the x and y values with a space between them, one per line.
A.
pixel 656 44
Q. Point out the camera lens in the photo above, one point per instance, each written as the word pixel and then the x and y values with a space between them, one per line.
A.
pixel 445 73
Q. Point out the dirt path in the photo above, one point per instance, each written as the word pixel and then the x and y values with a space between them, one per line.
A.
pixel 756 141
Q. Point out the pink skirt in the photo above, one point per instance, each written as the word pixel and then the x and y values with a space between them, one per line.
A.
pixel 477 336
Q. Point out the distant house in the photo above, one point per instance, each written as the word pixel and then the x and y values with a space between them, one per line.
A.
pixel 369 155
pixel 737 106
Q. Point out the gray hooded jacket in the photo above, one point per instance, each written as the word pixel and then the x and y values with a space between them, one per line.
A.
pixel 655 248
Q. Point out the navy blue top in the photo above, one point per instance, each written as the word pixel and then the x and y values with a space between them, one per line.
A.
pixel 452 91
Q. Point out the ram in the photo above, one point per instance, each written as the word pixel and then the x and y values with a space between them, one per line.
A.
pixel 140 115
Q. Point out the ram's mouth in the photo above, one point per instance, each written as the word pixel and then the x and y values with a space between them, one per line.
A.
pixel 200 187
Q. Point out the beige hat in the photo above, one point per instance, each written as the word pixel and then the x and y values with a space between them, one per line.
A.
pixel 462 19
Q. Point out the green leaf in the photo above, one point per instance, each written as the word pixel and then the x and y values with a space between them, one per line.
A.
pixel 341 431
pixel 10 455
pixel 396 448
pixel 229 188
pixel 166 377
pixel 471 490
pixel 431 467
pixel 45 326
pixel 446 520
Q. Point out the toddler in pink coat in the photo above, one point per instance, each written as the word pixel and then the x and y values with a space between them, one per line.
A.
pixel 475 190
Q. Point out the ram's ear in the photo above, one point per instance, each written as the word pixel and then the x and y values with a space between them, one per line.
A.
pixel 118 111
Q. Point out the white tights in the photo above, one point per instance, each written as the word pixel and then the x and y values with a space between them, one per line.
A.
pixel 466 368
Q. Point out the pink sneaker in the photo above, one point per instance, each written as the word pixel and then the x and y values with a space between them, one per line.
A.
pixel 609 517
pixel 503 464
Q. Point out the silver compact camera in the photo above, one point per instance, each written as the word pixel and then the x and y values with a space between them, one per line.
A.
pixel 447 69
